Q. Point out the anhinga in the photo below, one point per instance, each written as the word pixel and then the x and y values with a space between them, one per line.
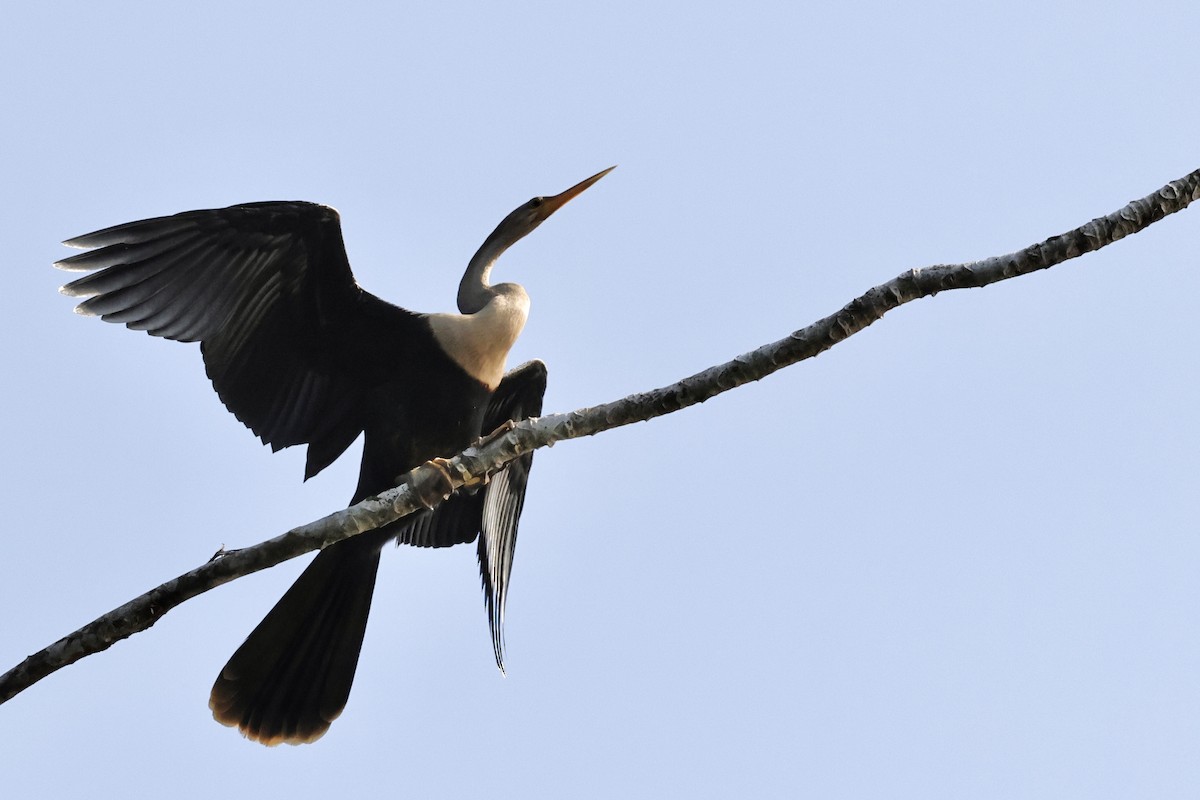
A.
pixel 302 355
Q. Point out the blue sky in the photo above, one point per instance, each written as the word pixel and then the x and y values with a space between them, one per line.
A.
pixel 955 556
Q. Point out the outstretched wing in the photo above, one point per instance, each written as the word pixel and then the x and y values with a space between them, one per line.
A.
pixel 518 396
pixel 264 288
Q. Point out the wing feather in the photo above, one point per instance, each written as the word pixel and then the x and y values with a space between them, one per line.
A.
pixel 490 515
pixel 265 288
pixel 518 396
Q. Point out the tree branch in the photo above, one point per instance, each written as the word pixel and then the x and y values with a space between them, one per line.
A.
pixel 142 612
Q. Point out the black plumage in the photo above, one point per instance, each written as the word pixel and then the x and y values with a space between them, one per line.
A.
pixel 302 355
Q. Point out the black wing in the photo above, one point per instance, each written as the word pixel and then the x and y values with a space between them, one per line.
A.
pixel 265 288
pixel 518 396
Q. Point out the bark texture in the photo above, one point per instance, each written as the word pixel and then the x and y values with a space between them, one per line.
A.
pixel 142 612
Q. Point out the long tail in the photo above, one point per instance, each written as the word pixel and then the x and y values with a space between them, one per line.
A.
pixel 291 677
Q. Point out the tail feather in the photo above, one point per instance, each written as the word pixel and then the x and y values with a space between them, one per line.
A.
pixel 291 678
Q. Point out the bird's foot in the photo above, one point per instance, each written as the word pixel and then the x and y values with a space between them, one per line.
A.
pixel 434 485
pixel 504 428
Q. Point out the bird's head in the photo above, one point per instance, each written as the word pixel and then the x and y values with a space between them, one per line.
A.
pixel 527 216
pixel 474 292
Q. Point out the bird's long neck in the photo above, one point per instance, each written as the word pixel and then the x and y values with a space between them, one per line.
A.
pixel 474 291
pixel 490 319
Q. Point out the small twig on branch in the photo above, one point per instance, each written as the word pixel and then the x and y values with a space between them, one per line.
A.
pixel 142 612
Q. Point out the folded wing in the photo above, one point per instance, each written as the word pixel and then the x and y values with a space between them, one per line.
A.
pixel 518 396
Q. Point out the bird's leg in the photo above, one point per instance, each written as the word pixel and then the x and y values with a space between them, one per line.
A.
pixel 439 483
pixel 504 428
pixel 435 485
pixel 473 484
pixel 431 486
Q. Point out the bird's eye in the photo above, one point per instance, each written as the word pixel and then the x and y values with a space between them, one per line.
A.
pixel 535 202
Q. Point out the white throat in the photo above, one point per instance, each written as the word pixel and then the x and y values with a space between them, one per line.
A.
pixel 479 342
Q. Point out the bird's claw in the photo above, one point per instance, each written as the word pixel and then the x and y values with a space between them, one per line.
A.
pixel 432 486
pixel 504 428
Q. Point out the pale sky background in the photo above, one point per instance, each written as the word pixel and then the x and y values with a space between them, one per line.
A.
pixel 957 556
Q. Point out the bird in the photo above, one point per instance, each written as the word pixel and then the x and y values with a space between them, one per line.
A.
pixel 302 355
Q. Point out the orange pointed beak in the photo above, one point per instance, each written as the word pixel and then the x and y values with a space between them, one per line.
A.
pixel 552 204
